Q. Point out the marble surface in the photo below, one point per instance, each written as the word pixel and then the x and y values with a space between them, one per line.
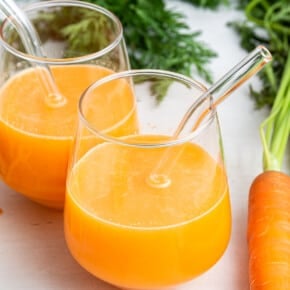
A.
pixel 33 254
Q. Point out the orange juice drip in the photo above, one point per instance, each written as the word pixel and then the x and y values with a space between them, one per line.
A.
pixel 36 139
pixel 133 235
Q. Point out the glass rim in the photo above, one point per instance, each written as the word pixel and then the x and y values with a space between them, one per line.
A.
pixel 147 72
pixel 71 60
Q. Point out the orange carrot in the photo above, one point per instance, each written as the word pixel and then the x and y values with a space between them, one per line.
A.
pixel 269 232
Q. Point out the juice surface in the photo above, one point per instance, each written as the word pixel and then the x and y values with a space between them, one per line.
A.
pixel 36 139
pixel 133 235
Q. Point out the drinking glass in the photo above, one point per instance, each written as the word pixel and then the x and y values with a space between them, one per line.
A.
pixel 149 209
pixel 35 133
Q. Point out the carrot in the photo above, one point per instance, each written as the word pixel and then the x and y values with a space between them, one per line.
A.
pixel 268 232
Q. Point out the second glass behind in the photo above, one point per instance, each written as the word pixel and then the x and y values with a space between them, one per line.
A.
pixel 146 209
pixel 82 43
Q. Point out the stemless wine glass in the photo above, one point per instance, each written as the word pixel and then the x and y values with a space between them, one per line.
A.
pixel 82 43
pixel 148 209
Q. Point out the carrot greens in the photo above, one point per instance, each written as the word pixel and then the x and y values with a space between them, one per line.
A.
pixel 211 4
pixel 158 37
pixel 268 22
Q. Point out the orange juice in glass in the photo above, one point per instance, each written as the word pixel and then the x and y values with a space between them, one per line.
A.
pixel 147 210
pixel 35 136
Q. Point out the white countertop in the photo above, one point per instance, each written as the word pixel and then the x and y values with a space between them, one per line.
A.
pixel 33 254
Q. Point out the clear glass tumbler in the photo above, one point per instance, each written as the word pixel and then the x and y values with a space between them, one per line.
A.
pixel 147 209
pixel 82 43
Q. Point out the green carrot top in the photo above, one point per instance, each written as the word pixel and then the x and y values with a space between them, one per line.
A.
pixel 275 130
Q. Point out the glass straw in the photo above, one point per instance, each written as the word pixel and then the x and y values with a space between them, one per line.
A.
pixel 32 44
pixel 217 93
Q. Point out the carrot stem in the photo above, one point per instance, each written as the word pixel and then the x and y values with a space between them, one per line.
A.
pixel 275 130
pixel 250 7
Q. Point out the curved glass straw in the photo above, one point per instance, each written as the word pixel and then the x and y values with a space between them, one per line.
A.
pixel 32 44
pixel 217 93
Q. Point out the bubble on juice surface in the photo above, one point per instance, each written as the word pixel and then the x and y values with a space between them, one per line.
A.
pixel 158 180
pixel 55 100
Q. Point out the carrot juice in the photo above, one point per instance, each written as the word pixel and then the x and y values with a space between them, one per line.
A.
pixel 36 139
pixel 137 236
